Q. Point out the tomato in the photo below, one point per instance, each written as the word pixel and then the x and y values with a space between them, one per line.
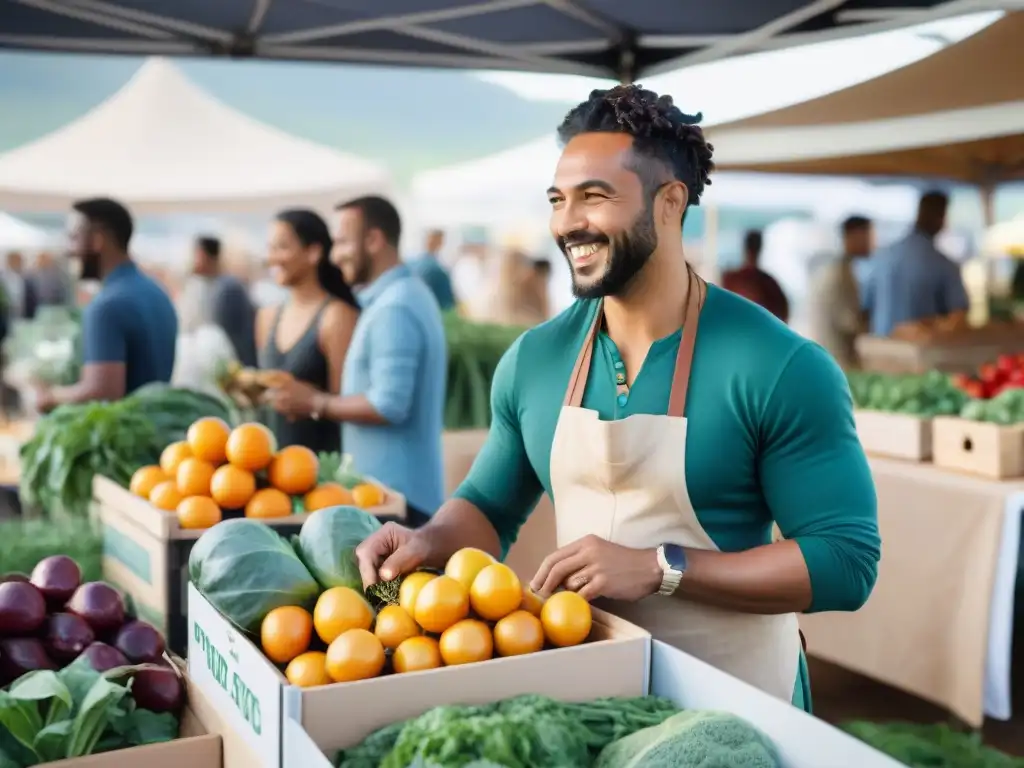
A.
pixel 988 373
pixel 308 670
pixel 1006 363
pixel 417 653
pixel 410 589
pixel 465 564
pixel 442 602
pixel 518 633
pixel 466 642
pixel 394 626
pixel 338 610
pixel 532 602
pixel 285 633
pixel 566 619
pixel 960 380
pixel 355 655
pixel 975 389
pixel 496 592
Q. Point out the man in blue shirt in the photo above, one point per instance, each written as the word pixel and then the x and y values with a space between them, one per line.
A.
pixel 912 279
pixel 428 268
pixel 130 329
pixel 391 405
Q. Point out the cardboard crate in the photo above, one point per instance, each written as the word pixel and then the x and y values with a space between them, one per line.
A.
pixel 801 740
pixel 145 553
pixel 199 743
pixel 894 435
pixel 237 677
pixel 978 448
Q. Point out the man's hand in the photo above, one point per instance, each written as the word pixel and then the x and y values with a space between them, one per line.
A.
pixel 293 398
pixel 44 399
pixel 595 568
pixel 391 552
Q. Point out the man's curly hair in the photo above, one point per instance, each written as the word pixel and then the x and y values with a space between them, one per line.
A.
pixel 661 132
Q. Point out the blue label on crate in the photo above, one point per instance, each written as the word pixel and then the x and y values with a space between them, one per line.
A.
pixel 128 553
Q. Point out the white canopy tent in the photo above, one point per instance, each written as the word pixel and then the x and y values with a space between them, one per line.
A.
pixel 161 144
pixel 16 234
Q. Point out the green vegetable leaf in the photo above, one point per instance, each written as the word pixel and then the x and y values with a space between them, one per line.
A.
pixel 147 727
pixel 47 690
pixel 21 718
pixel 79 678
pixel 98 709
pixel 51 743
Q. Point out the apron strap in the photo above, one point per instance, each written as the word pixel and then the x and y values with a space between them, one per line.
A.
pixel 684 358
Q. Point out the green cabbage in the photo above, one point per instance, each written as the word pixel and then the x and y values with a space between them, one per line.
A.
pixel 246 570
pixel 327 544
pixel 693 739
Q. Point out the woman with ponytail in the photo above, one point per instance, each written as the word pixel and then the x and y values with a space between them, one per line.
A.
pixel 308 335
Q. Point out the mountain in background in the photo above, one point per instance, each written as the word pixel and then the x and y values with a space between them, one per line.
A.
pixel 410 119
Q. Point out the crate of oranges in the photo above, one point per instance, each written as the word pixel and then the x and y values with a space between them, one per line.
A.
pixel 217 472
pixel 359 661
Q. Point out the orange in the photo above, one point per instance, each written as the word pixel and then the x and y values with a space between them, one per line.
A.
pixel 367 495
pixel 294 470
pixel 250 446
pixel 198 512
pixel 410 590
pixel 355 655
pixel 172 456
pixel 496 592
pixel 326 495
pixel 285 633
pixel 308 670
pixel 208 438
pixel 465 642
pixel 338 610
pixel 194 477
pixel 268 503
pixel 518 633
pixel 417 653
pixel 394 626
pixel 465 564
pixel 146 479
pixel 232 487
pixel 532 602
pixel 566 618
pixel 165 496
pixel 440 603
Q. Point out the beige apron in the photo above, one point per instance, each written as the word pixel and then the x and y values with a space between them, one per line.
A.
pixel 625 481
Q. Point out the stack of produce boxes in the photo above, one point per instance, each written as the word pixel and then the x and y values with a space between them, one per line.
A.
pixel 215 473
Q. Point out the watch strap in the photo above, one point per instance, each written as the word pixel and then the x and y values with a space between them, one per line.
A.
pixel 670 577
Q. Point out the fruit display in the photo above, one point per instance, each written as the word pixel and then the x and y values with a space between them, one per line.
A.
pixel 1007 372
pixel 50 618
pixel 926 395
pixel 536 731
pixel 1005 409
pixel 76 442
pixel 218 471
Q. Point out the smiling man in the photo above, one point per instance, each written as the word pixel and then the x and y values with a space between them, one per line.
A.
pixel 669 451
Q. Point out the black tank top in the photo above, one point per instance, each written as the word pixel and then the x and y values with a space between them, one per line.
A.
pixel 306 362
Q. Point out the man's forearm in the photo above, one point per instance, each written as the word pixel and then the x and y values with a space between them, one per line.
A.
pixel 770 579
pixel 80 392
pixel 355 409
pixel 458 524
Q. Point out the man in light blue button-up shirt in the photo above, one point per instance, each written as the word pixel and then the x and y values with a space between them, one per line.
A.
pixel 912 279
pixel 391 406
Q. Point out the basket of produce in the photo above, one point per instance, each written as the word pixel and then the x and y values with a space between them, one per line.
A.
pixel 986 439
pixel 82 675
pixel 894 413
pixel 293 614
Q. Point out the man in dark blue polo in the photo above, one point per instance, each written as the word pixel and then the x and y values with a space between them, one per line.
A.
pixel 129 330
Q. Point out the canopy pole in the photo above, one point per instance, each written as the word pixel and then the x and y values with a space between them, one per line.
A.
pixel 987 191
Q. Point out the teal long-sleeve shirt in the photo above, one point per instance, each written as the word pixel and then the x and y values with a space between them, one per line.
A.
pixel 770 437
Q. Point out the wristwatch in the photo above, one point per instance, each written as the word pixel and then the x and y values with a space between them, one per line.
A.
pixel 672 559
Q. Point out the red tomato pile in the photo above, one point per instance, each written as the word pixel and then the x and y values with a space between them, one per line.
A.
pixel 1006 373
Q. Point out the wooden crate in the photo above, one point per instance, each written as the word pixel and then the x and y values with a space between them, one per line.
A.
pixel 894 435
pixel 978 448
pixel 145 552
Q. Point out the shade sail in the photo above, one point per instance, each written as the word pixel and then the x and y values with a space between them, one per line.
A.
pixel 162 144
pixel 958 114
pixel 620 39
pixel 15 234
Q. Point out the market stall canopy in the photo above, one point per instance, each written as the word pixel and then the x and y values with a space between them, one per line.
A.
pixel 1005 238
pixel 617 39
pixel 161 144
pixel 16 234
pixel 958 114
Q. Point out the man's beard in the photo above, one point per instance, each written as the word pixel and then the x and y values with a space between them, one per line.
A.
pixel 361 269
pixel 628 253
pixel 90 267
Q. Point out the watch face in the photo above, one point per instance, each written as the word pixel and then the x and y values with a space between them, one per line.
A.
pixel 675 556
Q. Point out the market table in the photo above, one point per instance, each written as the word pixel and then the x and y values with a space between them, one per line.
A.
pixel 939 623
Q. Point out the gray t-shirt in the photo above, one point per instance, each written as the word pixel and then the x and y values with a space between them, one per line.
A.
pixel 233 311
